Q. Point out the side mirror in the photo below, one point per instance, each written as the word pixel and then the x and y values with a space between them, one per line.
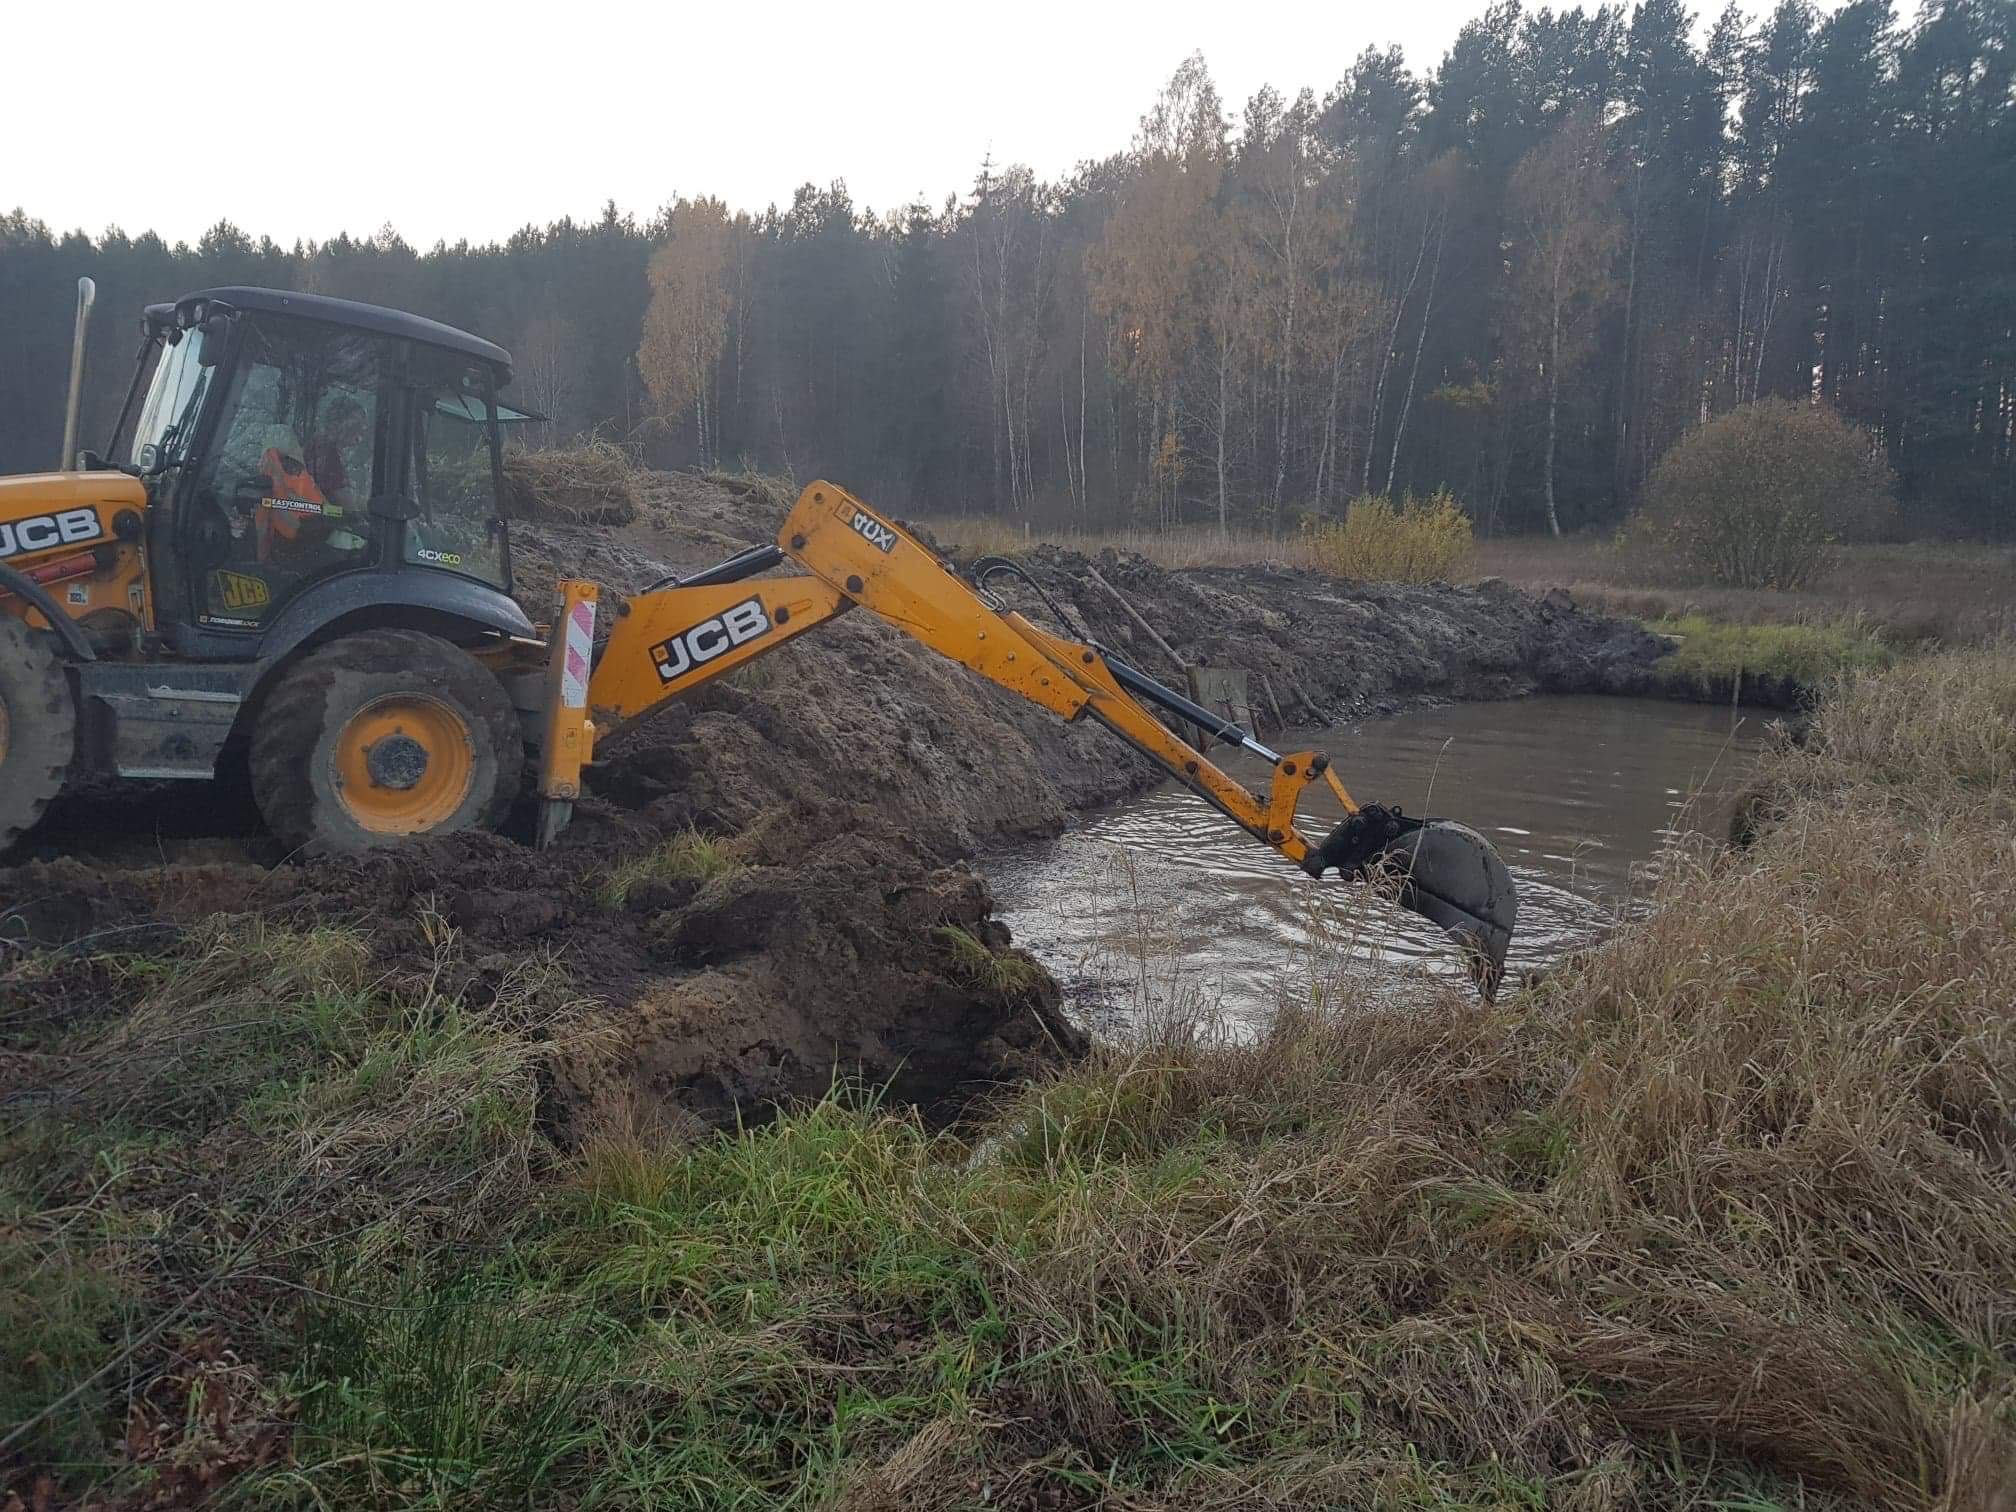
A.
pixel 212 334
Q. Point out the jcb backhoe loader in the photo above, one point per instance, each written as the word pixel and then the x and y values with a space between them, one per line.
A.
pixel 293 548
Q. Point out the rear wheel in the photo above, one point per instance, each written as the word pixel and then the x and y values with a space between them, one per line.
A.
pixel 381 736
pixel 38 728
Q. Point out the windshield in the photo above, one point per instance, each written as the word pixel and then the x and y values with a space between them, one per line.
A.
pixel 174 399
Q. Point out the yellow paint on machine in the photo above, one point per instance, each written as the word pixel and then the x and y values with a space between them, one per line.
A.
pixel 48 517
pixel 668 641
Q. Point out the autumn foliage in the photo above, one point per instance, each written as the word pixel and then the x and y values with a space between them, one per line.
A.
pixel 686 324
pixel 1412 541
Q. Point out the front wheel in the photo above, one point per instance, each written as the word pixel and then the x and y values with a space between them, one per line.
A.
pixel 382 736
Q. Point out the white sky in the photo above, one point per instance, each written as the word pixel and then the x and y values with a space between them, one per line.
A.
pixel 470 118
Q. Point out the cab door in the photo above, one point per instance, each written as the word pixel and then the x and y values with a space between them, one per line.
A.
pixel 282 497
pixel 453 519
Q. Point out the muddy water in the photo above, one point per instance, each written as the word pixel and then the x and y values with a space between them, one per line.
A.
pixel 1158 903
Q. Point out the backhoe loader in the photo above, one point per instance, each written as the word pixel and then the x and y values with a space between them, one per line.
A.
pixel 293 551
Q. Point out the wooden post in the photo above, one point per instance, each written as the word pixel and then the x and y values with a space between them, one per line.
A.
pixel 1135 615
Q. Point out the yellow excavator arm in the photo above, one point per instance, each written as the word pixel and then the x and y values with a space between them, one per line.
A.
pixel 677 635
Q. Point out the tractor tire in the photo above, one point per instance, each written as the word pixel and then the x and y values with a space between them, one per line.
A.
pixel 38 728
pixel 380 737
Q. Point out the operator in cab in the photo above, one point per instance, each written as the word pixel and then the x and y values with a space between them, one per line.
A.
pixel 313 503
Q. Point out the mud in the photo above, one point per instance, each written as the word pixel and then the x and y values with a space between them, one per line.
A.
pixel 846 777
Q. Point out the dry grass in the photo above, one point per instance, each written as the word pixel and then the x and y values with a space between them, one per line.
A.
pixel 214 1132
pixel 773 491
pixel 1721 1214
pixel 1955 595
pixel 592 483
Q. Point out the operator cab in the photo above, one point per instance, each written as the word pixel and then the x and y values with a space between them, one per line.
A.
pixel 291 439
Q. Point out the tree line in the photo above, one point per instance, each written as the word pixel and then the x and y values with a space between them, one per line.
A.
pixel 1520 276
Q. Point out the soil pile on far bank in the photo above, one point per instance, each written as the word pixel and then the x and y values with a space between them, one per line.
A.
pixel 862 713
pixel 762 888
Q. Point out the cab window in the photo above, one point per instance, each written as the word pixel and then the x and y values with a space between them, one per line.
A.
pixel 174 399
pixel 284 497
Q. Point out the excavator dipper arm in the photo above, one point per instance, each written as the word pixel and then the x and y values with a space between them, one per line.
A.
pixel 676 636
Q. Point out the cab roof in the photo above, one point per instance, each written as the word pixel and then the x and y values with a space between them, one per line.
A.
pixel 344 312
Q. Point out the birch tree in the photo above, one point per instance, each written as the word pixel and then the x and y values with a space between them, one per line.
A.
pixel 686 323
pixel 1565 231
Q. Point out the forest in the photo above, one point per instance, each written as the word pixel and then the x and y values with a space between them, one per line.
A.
pixel 1519 276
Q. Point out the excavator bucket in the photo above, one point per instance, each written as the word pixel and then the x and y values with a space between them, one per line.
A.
pixel 1446 872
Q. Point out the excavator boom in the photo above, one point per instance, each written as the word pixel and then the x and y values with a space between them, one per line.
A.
pixel 680 634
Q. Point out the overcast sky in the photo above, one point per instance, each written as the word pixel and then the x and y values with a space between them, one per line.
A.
pixel 470 119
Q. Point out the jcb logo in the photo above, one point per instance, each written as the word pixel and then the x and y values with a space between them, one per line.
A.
pixel 41 532
pixel 240 590
pixel 878 535
pixel 710 639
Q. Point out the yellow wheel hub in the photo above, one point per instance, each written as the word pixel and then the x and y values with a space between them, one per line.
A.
pixel 404 763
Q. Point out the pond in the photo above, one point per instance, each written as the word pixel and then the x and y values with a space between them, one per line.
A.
pixel 1160 904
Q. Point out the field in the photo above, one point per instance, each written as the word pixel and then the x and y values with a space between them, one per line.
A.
pixel 1957 594
pixel 1721 1215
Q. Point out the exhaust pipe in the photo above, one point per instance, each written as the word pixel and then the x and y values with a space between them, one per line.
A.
pixel 87 295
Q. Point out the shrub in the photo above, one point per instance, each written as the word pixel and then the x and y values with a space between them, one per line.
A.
pixel 1414 541
pixel 1751 498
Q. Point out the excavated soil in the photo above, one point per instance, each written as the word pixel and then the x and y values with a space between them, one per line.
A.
pixel 845 778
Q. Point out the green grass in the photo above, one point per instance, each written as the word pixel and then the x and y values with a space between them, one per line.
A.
pixel 253 1108
pixel 974 962
pixel 1716 659
pixel 58 1304
pixel 686 857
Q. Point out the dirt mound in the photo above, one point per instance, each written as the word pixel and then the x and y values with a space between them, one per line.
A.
pixel 825 953
pixel 826 934
pixel 850 962
pixel 594 484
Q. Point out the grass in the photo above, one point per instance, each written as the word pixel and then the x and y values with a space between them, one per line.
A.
pixel 686 857
pixel 1720 1214
pixel 186 1151
pixel 1906 595
pixel 1717 660
pixel 973 962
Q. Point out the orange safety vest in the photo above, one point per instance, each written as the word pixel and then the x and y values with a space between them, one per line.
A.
pixel 289 483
